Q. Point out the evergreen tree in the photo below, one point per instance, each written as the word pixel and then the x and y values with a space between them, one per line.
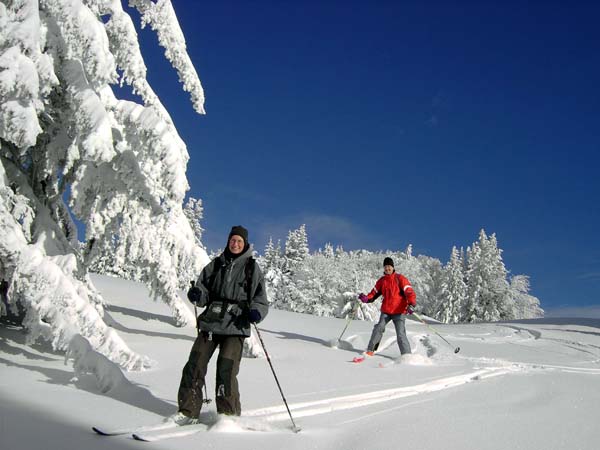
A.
pixel 272 257
pixel 487 286
pixel 474 283
pixel 328 251
pixel 294 290
pixel 194 212
pixel 273 266
pixel 454 290
pixel 296 247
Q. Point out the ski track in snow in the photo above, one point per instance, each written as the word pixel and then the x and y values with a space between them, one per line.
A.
pixel 334 404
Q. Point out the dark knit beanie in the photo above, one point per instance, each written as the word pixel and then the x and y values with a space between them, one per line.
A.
pixel 388 262
pixel 239 230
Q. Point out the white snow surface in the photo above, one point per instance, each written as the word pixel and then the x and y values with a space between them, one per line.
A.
pixel 522 385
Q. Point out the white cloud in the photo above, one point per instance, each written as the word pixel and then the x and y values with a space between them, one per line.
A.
pixel 321 229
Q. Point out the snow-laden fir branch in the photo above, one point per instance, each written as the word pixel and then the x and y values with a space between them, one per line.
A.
pixel 162 19
pixel 58 306
pixel 69 146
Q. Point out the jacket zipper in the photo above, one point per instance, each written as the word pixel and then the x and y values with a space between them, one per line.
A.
pixel 230 271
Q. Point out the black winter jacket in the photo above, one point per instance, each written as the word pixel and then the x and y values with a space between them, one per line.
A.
pixel 224 294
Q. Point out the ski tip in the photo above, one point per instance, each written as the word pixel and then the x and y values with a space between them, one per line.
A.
pixel 137 437
pixel 99 431
pixel 358 359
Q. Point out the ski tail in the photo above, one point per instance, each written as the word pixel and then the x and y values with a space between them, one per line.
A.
pixel 158 435
pixel 102 432
pixel 119 432
pixel 140 437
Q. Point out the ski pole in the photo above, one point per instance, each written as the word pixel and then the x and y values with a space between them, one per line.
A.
pixel 348 320
pixel 206 399
pixel 295 428
pixel 193 283
pixel 456 350
pixel 344 330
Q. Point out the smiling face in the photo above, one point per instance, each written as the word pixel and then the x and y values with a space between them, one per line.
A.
pixel 388 270
pixel 236 244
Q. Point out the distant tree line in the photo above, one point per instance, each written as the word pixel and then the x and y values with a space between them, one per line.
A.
pixel 473 286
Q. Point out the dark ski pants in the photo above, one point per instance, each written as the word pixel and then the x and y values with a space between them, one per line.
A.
pixel 378 330
pixel 227 393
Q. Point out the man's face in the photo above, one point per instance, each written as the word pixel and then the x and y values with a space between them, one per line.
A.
pixel 236 244
pixel 388 270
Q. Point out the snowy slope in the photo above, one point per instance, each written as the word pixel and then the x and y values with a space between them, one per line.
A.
pixel 522 385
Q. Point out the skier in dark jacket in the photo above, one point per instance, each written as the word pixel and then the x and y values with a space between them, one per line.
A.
pixel 398 299
pixel 232 289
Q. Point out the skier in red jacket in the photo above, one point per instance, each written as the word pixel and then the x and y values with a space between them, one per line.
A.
pixel 398 299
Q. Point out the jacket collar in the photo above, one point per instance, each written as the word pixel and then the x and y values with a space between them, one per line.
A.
pixel 227 258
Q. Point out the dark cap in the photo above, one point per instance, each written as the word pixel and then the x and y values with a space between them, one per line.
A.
pixel 388 262
pixel 240 231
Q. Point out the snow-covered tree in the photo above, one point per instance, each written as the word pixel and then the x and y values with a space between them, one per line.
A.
pixel 487 285
pixel 454 290
pixel 272 256
pixel 296 246
pixel 194 212
pixel 272 264
pixel 68 145
pixel 328 251
pixel 526 306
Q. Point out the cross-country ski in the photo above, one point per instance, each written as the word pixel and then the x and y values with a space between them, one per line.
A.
pixel 173 432
pixel 123 431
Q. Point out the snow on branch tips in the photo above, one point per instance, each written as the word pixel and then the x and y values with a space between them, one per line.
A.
pixel 162 19
pixel 19 85
pixel 57 305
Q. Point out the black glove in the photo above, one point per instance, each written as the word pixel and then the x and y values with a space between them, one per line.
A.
pixel 410 309
pixel 194 295
pixel 253 316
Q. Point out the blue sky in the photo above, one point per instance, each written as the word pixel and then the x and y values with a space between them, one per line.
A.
pixel 387 123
